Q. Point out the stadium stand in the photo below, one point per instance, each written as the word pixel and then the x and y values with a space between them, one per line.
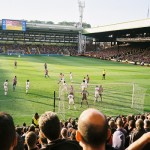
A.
pixel 38 49
pixel 135 53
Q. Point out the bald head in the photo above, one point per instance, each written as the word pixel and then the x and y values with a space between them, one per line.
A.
pixel 93 127
pixel 92 116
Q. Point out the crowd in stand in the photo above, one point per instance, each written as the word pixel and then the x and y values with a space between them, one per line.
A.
pixel 92 131
pixel 138 53
pixel 38 49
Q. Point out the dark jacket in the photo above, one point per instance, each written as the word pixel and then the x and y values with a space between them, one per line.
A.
pixel 63 144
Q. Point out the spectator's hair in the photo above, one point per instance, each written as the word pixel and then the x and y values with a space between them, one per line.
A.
pixel 64 133
pixel 49 124
pixel 139 124
pixel 19 130
pixel 142 117
pixel 7 131
pixel 99 134
pixel 129 118
pixel 112 124
pixel 43 140
pixel 73 135
pixel 132 123
pixel 36 116
pixel 31 128
pixel 31 139
pixel 119 122
pixel 147 123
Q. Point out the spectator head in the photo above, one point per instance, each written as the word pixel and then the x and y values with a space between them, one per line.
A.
pixel 139 124
pixel 92 129
pixel 31 140
pixel 112 124
pixel 7 132
pixel 131 124
pixel 119 122
pixel 31 128
pixel 49 125
pixel 129 118
pixel 36 116
pixel 24 124
pixel 42 141
pixel 146 123
pixel 148 117
pixel 142 117
pixel 64 133
pixel 73 135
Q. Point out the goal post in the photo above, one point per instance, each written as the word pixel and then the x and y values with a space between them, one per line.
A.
pixel 138 97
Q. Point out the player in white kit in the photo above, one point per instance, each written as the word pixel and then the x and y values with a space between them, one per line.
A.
pixel 27 86
pixel 71 100
pixel 5 87
pixel 64 87
pixel 83 86
pixel 71 76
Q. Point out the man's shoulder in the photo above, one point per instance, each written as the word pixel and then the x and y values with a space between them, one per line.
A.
pixel 63 144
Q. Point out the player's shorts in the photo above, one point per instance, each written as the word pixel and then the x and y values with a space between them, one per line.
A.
pixel 71 101
pixel 14 84
pixel 27 87
pixel 82 88
pixel 96 94
pixel 84 98
pixel 6 88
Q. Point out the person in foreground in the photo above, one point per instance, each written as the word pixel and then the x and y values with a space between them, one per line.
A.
pixel 8 138
pixel 50 128
pixel 141 144
pixel 93 131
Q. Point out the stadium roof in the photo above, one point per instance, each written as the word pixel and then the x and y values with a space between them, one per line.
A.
pixel 52 27
pixel 49 27
pixel 114 31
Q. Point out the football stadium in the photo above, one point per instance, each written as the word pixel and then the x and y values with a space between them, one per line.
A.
pixel 67 69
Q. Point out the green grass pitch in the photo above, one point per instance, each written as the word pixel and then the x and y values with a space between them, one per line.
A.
pixel 117 97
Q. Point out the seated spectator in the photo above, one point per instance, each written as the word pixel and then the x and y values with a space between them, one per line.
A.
pixel 7 132
pixel 49 125
pixel 31 140
pixel 93 130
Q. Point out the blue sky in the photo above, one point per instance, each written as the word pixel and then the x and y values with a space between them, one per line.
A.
pixel 96 12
